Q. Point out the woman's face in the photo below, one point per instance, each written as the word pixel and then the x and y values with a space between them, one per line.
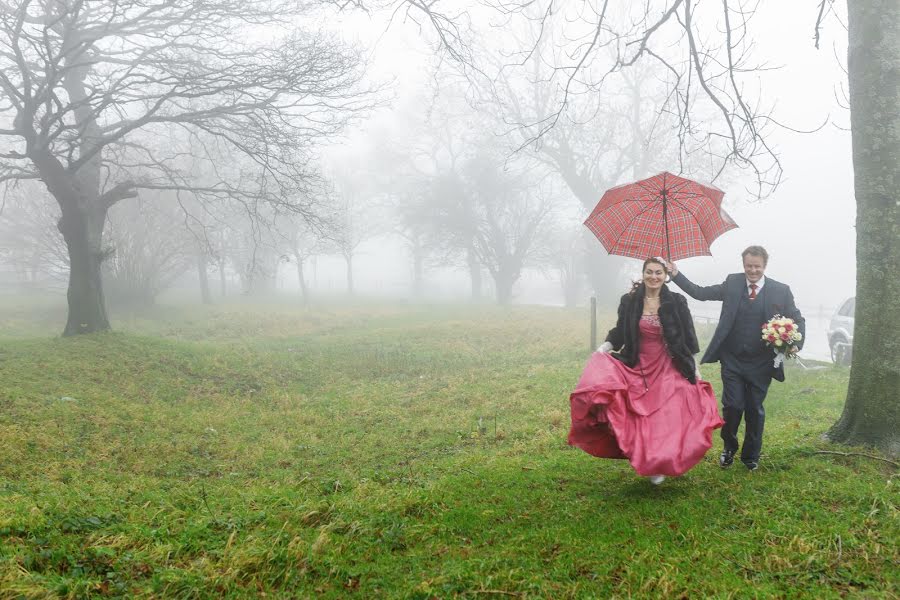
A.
pixel 654 276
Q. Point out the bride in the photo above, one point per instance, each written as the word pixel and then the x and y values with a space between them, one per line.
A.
pixel 640 396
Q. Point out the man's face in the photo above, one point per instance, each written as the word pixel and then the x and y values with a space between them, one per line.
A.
pixel 754 267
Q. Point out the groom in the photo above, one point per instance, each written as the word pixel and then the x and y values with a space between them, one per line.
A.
pixel 749 299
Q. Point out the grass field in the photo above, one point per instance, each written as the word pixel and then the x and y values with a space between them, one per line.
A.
pixel 395 451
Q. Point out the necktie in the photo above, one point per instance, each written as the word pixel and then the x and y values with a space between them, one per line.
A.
pixel 752 291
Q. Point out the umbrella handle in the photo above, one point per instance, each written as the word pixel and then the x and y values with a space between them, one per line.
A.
pixel 665 215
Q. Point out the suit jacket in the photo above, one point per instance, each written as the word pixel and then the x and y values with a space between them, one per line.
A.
pixel 776 296
pixel 677 326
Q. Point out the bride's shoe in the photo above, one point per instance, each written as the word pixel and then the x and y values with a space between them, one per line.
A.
pixel 657 479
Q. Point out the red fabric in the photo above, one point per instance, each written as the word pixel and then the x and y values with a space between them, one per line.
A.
pixel 651 415
pixel 628 220
pixel 753 287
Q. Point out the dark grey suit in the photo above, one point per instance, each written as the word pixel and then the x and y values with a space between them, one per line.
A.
pixel 747 365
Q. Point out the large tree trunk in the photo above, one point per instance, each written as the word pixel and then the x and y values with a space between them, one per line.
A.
pixel 82 206
pixel 872 411
pixel 504 280
pixel 82 229
pixel 504 287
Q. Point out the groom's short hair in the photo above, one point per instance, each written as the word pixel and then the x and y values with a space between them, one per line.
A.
pixel 756 251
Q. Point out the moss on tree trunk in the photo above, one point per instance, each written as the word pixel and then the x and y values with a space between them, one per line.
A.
pixel 871 415
pixel 82 229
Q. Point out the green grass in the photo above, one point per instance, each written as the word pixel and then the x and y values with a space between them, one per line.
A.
pixel 395 451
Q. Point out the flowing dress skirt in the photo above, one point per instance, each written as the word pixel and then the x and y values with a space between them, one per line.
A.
pixel 651 414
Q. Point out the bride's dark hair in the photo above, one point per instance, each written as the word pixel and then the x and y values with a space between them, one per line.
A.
pixel 637 287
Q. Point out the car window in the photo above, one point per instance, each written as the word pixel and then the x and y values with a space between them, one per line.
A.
pixel 852 307
pixel 846 309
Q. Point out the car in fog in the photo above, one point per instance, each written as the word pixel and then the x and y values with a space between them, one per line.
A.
pixel 840 333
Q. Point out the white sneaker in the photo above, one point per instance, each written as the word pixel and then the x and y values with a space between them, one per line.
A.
pixel 657 479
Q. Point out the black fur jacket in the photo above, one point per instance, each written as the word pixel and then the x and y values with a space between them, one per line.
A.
pixel 677 325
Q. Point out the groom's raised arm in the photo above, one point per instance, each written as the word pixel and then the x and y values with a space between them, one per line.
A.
pixel 699 292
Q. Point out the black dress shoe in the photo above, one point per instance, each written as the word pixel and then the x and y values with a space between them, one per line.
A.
pixel 751 465
pixel 726 458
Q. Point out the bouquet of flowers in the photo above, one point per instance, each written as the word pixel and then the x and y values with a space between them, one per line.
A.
pixel 781 335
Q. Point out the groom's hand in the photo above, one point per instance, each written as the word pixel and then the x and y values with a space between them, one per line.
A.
pixel 672 267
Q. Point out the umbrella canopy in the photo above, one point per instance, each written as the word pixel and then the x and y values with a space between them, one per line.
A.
pixel 664 215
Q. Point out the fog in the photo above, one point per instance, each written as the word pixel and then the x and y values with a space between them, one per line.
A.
pixel 424 119
pixel 807 225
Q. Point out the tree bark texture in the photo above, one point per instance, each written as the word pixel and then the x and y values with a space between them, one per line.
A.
pixel 871 416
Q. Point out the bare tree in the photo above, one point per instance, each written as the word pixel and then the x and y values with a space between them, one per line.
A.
pixel 357 208
pixel 28 240
pixel 254 251
pixel 413 223
pixel 91 91
pixel 601 139
pixel 560 255
pixel 444 137
pixel 351 228
pixel 405 187
pixel 499 213
pixel 148 248
pixel 298 242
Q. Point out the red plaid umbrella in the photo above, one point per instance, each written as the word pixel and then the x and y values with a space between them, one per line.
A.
pixel 664 215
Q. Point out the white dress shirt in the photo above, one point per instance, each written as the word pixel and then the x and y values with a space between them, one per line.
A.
pixel 759 285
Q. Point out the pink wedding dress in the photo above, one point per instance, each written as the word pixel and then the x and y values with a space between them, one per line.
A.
pixel 650 414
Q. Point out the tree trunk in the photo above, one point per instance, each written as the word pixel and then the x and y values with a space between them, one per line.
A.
pixel 304 291
pixel 570 282
pixel 349 259
pixel 504 280
pixel 223 283
pixel 272 276
pixel 474 273
pixel 202 266
pixel 83 208
pixel 418 256
pixel 82 229
pixel 872 412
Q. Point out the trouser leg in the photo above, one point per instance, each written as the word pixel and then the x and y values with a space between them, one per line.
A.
pixel 754 417
pixel 733 391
